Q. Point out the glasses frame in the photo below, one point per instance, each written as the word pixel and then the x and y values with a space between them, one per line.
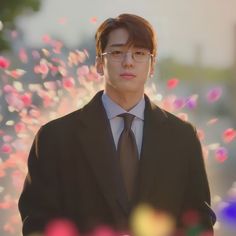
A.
pixel 124 54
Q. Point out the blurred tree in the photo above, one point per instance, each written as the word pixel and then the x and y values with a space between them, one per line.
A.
pixel 169 68
pixel 9 10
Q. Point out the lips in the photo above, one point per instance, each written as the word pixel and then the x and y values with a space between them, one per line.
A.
pixel 127 76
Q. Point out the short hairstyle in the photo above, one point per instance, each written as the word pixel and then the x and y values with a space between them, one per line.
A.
pixel 141 32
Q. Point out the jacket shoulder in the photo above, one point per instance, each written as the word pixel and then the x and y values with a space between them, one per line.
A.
pixel 65 119
pixel 173 120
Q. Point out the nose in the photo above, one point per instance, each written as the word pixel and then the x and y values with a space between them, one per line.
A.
pixel 128 59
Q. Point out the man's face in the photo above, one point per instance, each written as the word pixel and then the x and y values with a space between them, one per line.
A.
pixel 123 76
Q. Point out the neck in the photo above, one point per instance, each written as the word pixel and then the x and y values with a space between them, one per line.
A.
pixel 126 100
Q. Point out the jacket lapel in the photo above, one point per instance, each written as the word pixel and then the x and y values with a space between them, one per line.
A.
pixel 96 137
pixel 155 141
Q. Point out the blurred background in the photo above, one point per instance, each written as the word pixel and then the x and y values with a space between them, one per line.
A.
pixel 47 69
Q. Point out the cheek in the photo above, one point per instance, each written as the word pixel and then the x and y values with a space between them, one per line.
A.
pixel 144 70
pixel 110 68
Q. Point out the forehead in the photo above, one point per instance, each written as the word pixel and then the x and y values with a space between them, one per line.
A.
pixel 118 37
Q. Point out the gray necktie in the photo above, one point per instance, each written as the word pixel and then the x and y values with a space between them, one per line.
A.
pixel 128 154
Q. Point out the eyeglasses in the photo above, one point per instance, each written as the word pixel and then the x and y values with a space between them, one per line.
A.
pixel 137 55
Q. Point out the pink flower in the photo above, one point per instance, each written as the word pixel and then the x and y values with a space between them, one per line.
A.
pixel 19 127
pixel 57 45
pixel 23 56
pixel 172 83
pixel 14 100
pixel 4 63
pixel 214 94
pixel 212 121
pixel 179 103
pixel 221 154
pixel 7 138
pixel 6 148
pixel 229 135
pixel 61 227
pixel 1 132
pixel 93 20
pixel 50 85
pixel 41 69
pixel 53 69
pixel 82 70
pixel 9 89
pixel 35 54
pixel 68 83
pixel 46 38
pixel 16 74
pixel 26 99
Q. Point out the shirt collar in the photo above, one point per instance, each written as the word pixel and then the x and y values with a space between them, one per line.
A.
pixel 113 109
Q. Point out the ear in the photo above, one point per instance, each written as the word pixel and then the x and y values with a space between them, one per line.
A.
pixel 152 67
pixel 99 65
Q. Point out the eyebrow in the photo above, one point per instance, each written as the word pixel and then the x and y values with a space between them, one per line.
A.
pixel 125 44
pixel 118 45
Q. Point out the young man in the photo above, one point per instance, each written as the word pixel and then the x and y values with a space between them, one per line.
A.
pixel 95 165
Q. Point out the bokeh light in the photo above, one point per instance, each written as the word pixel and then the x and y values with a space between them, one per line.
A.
pixel 61 227
pixel 149 222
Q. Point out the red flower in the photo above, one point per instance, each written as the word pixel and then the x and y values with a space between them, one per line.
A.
pixel 4 63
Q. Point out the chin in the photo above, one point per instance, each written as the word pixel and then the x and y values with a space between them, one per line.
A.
pixel 128 89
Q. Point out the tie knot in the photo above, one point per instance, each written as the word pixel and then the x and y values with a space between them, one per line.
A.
pixel 128 119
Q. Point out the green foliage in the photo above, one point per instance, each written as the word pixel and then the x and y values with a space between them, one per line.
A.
pixel 9 10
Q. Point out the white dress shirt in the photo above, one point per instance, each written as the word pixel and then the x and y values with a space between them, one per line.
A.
pixel 113 111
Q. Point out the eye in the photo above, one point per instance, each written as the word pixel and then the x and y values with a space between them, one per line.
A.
pixel 116 53
pixel 140 53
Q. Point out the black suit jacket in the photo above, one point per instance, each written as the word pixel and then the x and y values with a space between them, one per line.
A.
pixel 73 171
